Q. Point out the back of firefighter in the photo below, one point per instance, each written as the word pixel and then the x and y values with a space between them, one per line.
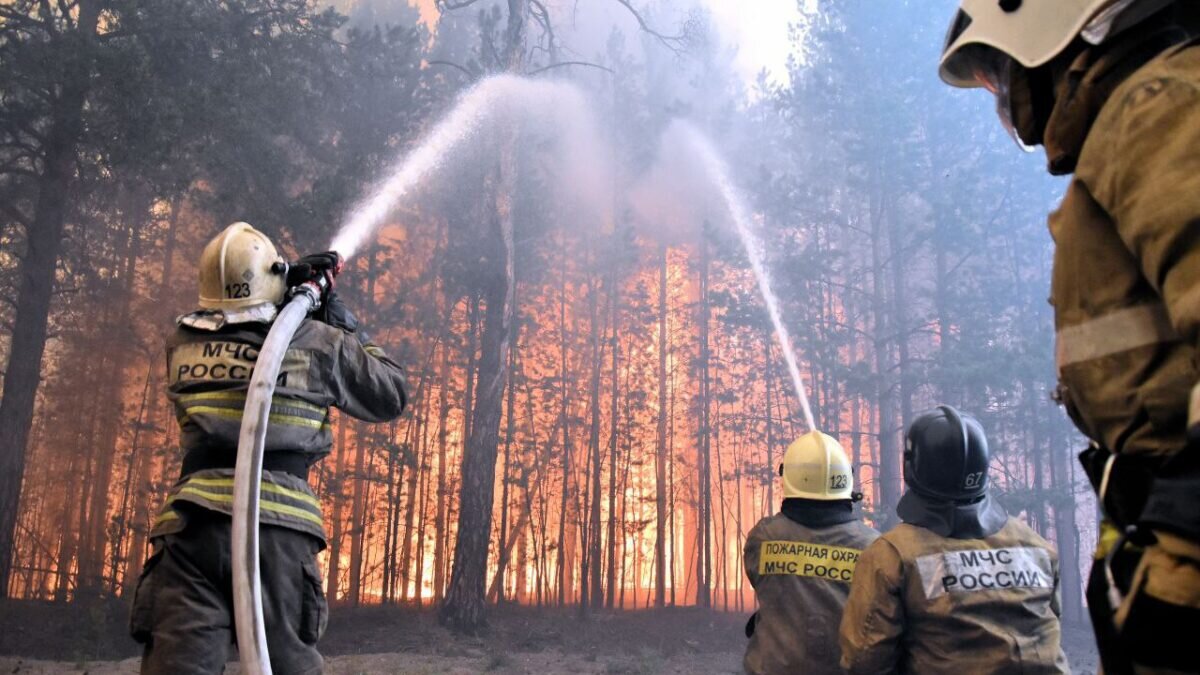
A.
pixel 182 609
pixel 959 586
pixel 801 560
pixel 1111 90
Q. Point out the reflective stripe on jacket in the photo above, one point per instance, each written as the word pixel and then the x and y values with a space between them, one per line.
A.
pixel 922 603
pixel 1126 279
pixel 285 500
pixel 801 576
pixel 324 367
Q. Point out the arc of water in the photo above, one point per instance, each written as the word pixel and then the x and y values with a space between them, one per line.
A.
pixel 717 172
pixel 554 106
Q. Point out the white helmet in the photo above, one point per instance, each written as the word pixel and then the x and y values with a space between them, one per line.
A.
pixel 816 467
pixel 1030 32
pixel 237 270
pixel 989 38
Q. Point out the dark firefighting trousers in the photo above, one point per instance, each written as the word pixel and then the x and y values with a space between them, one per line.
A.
pixel 183 607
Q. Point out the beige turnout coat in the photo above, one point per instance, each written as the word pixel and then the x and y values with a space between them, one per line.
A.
pixel 801 576
pixel 923 603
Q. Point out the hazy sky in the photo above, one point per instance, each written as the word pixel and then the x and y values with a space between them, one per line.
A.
pixel 758 28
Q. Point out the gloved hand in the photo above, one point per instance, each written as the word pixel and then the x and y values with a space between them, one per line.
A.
pixel 335 313
pixel 318 267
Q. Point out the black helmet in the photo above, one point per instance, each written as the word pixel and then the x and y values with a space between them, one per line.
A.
pixel 946 456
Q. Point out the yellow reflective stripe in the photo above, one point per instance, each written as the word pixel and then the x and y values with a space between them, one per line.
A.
pixel 292 511
pixel 168 514
pixel 266 487
pixel 1109 534
pixel 276 418
pixel 236 396
pixel 240 397
pixel 265 505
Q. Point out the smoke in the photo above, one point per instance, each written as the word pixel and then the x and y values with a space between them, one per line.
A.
pixel 675 196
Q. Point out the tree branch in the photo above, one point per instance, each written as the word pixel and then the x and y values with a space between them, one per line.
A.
pixel 451 64
pixel 543 17
pixel 672 42
pixel 451 5
pixel 569 63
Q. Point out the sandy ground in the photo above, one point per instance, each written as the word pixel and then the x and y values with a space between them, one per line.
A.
pixel 428 664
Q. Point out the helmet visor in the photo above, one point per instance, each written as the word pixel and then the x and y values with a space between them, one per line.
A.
pixel 991 69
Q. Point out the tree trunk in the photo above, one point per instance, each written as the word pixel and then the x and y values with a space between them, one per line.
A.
pixel 591 591
pixel 44 241
pixel 564 411
pixel 510 430
pixel 614 313
pixel 144 494
pixel 889 457
pixel 439 522
pixel 465 599
pixel 136 207
pixel 335 537
pixel 660 455
pixel 703 489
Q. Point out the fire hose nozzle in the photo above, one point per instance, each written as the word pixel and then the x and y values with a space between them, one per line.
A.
pixel 313 290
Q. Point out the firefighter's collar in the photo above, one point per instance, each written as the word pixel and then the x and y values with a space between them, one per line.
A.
pixel 818 514
pixel 976 520
pixel 216 319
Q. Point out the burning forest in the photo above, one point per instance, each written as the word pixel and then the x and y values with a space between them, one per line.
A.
pixel 619 256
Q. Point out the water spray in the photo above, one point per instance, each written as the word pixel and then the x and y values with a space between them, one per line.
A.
pixel 486 102
pixel 558 107
pixel 717 172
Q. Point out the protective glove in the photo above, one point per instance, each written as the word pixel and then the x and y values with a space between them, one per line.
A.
pixel 318 267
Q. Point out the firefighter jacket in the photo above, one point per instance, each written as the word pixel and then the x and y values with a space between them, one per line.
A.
pixel 209 367
pixel 924 603
pixel 1126 294
pixel 1126 279
pixel 800 562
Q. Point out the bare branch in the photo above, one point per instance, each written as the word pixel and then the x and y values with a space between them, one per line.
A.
pixel 673 42
pixel 570 63
pixel 451 64
pixel 451 5
pixel 543 17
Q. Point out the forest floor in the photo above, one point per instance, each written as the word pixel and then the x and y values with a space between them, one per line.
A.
pixel 46 638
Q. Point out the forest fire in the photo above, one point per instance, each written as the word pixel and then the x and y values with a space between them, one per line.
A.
pixel 614 335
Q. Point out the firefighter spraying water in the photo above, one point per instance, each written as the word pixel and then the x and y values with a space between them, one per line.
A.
pixel 502 101
pixel 246 374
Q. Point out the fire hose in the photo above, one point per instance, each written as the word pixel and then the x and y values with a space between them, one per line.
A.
pixel 247 478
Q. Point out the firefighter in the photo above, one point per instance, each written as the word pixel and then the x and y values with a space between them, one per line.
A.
pixel 800 562
pixel 958 586
pixel 182 610
pixel 1111 90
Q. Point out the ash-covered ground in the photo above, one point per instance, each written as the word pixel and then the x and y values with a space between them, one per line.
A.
pixel 48 638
